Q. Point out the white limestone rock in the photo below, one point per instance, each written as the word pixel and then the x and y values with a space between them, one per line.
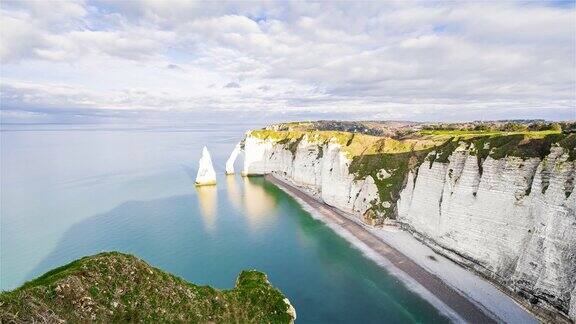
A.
pixel 232 159
pixel 206 174
pixel 572 312
pixel 320 167
pixel 513 221
pixel 264 156
pixel 291 310
pixel 383 174
pixel 307 164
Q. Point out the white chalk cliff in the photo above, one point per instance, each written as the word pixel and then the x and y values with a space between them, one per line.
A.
pixel 511 219
pixel 232 159
pixel 514 221
pixel 321 169
pixel 206 174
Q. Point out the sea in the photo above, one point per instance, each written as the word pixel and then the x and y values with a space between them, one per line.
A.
pixel 70 190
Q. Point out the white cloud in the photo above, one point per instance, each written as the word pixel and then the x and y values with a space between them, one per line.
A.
pixel 396 58
pixel 18 36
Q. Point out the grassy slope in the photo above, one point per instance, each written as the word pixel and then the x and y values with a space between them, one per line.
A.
pixel 115 287
pixel 475 133
pixel 370 154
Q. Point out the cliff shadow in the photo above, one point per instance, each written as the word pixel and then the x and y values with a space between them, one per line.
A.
pixel 161 231
pixel 167 230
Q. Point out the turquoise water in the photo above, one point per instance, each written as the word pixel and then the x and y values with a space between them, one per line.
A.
pixel 69 191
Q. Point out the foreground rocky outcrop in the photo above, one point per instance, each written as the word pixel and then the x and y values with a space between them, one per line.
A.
pixel 500 204
pixel 115 287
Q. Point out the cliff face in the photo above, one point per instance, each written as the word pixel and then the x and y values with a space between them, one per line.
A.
pixel 514 221
pixel 322 168
pixel 511 218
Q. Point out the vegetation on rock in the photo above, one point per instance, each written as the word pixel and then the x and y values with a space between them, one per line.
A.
pixel 116 287
pixel 407 145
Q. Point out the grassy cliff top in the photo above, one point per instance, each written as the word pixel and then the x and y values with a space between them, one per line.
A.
pixel 409 148
pixel 401 129
pixel 467 134
pixel 353 144
pixel 497 143
pixel 116 287
pixel 377 128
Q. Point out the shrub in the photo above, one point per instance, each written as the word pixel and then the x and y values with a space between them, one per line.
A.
pixel 514 127
pixel 483 127
pixel 555 127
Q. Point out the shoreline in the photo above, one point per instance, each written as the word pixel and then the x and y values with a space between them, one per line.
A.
pixel 455 291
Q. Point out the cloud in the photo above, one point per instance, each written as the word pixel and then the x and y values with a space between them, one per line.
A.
pixel 175 67
pixel 397 59
pixel 232 85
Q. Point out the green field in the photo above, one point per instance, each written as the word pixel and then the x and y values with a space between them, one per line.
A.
pixel 475 133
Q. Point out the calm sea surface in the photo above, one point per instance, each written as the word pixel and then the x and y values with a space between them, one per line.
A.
pixel 70 191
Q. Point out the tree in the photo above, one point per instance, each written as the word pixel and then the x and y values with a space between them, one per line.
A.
pixel 537 126
pixel 555 127
pixel 483 127
pixel 514 127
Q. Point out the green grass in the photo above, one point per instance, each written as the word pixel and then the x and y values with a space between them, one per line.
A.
pixel 521 145
pixel 313 136
pixel 397 158
pixel 115 287
pixel 467 134
pixel 352 144
pixel 569 144
pixel 52 275
pixel 444 151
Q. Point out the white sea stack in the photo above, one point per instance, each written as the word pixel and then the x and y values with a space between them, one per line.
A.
pixel 232 159
pixel 206 175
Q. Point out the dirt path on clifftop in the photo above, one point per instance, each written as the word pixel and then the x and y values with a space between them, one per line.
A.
pixel 461 305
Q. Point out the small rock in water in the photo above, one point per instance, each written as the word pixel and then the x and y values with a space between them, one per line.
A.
pixel 206 174
pixel 232 159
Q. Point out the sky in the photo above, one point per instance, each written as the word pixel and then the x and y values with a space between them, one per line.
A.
pixel 94 61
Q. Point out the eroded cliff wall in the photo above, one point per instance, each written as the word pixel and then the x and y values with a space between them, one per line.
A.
pixel 320 167
pixel 510 218
pixel 513 220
